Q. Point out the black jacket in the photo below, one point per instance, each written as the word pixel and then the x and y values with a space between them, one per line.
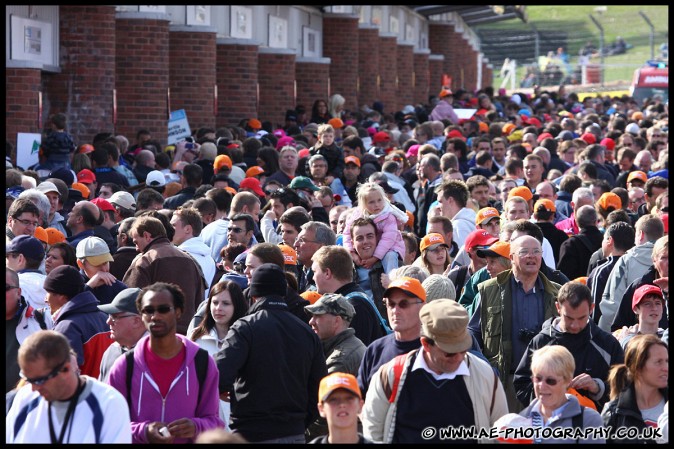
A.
pixel 625 316
pixel 365 322
pixel 575 253
pixel 180 198
pixel 594 351
pixel 271 363
pixel 295 303
pixel 624 412
pixel 555 236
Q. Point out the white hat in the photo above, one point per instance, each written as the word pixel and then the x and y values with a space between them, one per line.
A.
pixel 155 179
pixel 123 199
pixel 95 250
pixel 408 109
pixel 47 186
pixel 632 128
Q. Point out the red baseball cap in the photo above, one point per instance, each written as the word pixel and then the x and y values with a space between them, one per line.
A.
pixel 608 143
pixel 543 136
pixel 642 292
pixel 479 237
pixel 252 184
pixel 103 204
pixel 589 138
pixel 86 176
pixel 381 136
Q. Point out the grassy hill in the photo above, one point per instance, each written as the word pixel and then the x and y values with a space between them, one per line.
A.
pixel 575 24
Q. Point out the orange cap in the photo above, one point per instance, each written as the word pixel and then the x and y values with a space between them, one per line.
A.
pixel 485 214
pixel 545 204
pixel 85 148
pixel 610 199
pixel 352 160
pixel 637 115
pixel 222 160
pixel 522 192
pixel 496 249
pixel 289 254
pixel 445 93
pixel 84 190
pixel 432 239
pixel 582 280
pixel 254 171
pixel 231 190
pixel 254 123
pixel 41 234
pixel 336 122
pixel 637 174
pixel 508 128
pixel 409 285
pixel 484 128
pixel 311 295
pixel 410 219
pixel 54 236
pixel 336 381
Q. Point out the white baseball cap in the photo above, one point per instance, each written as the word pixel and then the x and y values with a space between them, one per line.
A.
pixel 123 199
pixel 155 179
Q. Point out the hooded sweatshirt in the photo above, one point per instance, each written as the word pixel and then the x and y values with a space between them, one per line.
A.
pixel 202 254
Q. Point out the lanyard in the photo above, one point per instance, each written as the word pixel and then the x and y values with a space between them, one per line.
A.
pixel 67 420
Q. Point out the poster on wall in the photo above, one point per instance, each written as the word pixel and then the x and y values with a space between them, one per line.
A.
pixel 178 127
pixel 27 149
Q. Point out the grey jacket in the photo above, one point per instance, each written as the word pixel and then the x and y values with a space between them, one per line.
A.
pixel 631 266
pixel 343 352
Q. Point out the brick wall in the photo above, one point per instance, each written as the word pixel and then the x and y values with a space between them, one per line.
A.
pixel 368 65
pixel 340 44
pixel 421 78
pixel 436 69
pixel 312 83
pixel 83 88
pixel 21 102
pixel 237 77
pixel 405 67
pixel 142 72
pixel 192 75
pixel 276 73
pixel 388 72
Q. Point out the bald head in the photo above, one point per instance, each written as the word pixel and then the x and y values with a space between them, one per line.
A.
pixel 526 255
pixel 145 157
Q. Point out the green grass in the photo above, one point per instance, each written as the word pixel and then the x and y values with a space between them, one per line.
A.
pixel 624 21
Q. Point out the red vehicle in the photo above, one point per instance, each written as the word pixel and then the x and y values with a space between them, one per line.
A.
pixel 651 80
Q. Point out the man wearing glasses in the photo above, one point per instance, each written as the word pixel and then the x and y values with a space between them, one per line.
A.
pixel 511 309
pixel 22 219
pixel 408 396
pixel 89 410
pixel 168 403
pixel 126 328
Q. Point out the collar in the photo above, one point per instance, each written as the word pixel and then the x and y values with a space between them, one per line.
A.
pixel 420 363
pixel 537 284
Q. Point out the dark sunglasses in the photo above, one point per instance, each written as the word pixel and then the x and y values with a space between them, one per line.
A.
pixel 404 304
pixel 38 381
pixel 10 287
pixel 548 380
pixel 162 310
pixel 236 230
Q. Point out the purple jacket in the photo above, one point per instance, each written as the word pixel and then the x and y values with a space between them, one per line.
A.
pixel 390 238
pixel 147 404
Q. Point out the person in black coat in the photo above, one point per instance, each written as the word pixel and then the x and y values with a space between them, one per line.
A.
pixel 575 253
pixel 544 214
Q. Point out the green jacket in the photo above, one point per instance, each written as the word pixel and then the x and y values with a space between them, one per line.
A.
pixel 496 317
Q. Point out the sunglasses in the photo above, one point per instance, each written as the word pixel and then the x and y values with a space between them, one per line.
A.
pixel 10 287
pixel 548 380
pixel 236 230
pixel 39 381
pixel 404 304
pixel 162 310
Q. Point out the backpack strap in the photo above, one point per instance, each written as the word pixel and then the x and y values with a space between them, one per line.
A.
pixel 39 317
pixel 493 393
pixel 577 421
pixel 382 321
pixel 201 365
pixel 391 388
pixel 129 375
pixel 461 280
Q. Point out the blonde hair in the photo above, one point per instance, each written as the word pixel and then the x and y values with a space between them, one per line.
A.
pixel 364 190
pixel 556 358
pixel 325 128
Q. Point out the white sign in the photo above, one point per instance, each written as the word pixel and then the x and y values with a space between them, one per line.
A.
pixel 465 113
pixel 178 128
pixel 27 149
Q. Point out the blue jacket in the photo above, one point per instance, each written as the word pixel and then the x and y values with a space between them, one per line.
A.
pixel 147 404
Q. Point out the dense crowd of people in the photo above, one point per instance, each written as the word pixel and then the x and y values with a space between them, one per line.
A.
pixel 347 277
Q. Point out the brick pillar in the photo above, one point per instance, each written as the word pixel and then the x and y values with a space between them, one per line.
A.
pixel 388 71
pixel 83 88
pixel 142 74
pixel 405 67
pixel 276 68
pixel 368 64
pixel 470 81
pixel 487 73
pixel 340 44
pixel 439 37
pixel 192 73
pixel 436 68
pixel 311 75
pixel 22 83
pixel 237 76
pixel 422 76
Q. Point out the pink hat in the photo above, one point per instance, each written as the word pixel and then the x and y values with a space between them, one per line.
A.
pixel 413 150
pixel 283 141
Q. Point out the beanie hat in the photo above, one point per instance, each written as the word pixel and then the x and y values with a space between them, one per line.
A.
pixel 64 280
pixel 268 280
pixel 438 286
